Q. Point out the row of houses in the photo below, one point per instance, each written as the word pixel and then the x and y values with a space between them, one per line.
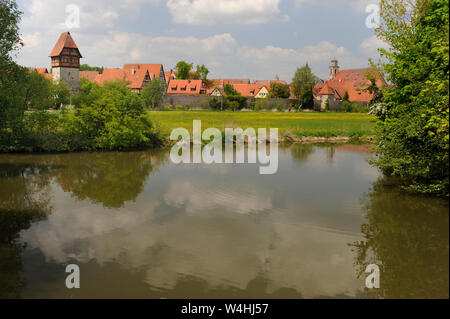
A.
pixel 66 56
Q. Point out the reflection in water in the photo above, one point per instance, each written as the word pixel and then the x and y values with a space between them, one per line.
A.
pixel 107 178
pixel 192 231
pixel 24 199
pixel 407 236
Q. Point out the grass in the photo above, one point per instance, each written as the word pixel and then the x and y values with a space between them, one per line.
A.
pixel 300 124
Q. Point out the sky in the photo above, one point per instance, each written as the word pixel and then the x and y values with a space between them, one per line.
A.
pixel 255 39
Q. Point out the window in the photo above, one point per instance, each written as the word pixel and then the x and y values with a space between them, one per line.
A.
pixel 65 60
pixel 183 89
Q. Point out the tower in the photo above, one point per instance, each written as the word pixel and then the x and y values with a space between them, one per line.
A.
pixel 66 61
pixel 334 69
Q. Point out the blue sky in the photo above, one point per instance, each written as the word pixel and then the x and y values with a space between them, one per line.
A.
pixel 233 38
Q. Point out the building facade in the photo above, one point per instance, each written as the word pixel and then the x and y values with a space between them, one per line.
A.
pixel 65 58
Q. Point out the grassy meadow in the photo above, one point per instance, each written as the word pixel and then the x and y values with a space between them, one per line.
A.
pixel 300 124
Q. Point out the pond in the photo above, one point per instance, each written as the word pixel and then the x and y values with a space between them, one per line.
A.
pixel 139 226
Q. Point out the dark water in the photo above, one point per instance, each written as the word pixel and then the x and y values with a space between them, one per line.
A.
pixel 141 227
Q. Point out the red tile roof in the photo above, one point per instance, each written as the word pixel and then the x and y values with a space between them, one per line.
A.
pixel 235 81
pixel 188 87
pixel 249 90
pixel 42 71
pixel 211 85
pixel 169 75
pixel 154 69
pixel 64 41
pixel 135 80
pixel 89 75
pixel 351 81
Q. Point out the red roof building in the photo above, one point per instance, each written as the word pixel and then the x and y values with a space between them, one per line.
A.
pixel 353 82
pixel 186 87
pixel 89 75
pixel 251 90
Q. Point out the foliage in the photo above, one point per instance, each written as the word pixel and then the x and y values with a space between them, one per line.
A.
pixel 203 71
pixel 183 70
pixel 154 92
pixel 215 104
pixel 10 41
pixel 407 237
pixel 302 85
pixel 346 97
pixel 280 90
pixel 414 129
pixel 229 90
pixel 86 67
pixel 61 92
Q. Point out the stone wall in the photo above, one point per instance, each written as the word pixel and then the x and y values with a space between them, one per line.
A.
pixel 70 75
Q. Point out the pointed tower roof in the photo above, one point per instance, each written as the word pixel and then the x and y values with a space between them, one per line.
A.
pixel 64 41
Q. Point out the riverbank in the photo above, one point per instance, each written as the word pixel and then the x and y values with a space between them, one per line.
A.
pixel 294 128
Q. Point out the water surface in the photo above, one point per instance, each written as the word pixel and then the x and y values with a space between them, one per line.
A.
pixel 141 227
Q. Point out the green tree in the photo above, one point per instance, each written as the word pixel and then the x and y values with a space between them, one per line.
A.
pixel 280 90
pixel 230 91
pixel 183 70
pixel 154 92
pixel 10 41
pixel 61 92
pixel 86 67
pixel 203 71
pixel 39 92
pixel 13 78
pixel 302 86
pixel 413 133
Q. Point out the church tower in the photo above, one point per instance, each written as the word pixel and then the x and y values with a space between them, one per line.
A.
pixel 66 61
pixel 334 69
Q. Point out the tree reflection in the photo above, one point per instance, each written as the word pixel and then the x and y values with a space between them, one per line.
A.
pixel 108 178
pixel 407 236
pixel 24 199
pixel 300 153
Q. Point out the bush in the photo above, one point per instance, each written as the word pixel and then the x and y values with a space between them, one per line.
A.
pixel 263 104
pixel 215 104
pixel 114 120
pixel 167 108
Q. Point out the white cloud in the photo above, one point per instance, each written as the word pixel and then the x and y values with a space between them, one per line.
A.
pixel 221 53
pixel 371 45
pixel 357 5
pixel 208 12
pixel 102 43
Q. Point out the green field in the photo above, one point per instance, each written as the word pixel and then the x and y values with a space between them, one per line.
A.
pixel 299 124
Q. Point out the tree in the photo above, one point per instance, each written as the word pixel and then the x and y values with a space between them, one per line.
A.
pixel 203 71
pixel 183 70
pixel 230 91
pixel 413 133
pixel 86 67
pixel 154 92
pixel 10 41
pixel 13 78
pixel 302 85
pixel 280 90
pixel 61 92
pixel 39 91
